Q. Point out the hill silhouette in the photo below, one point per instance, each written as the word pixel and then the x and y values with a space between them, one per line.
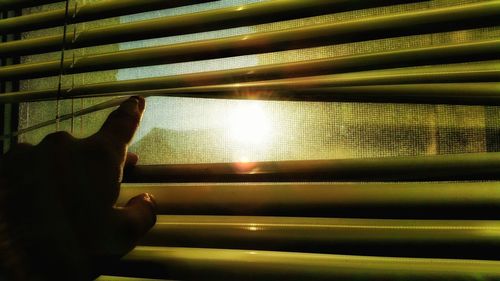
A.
pixel 164 146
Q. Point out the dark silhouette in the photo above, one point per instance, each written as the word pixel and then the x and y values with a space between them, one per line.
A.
pixel 57 203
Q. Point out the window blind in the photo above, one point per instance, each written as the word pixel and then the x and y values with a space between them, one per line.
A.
pixel 385 90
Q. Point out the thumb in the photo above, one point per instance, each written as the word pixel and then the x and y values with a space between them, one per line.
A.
pixel 135 219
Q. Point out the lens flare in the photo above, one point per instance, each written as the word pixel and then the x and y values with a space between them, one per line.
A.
pixel 248 124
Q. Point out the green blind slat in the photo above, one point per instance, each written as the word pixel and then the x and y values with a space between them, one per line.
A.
pixel 217 264
pixel 318 89
pixel 467 166
pixel 411 238
pixel 417 200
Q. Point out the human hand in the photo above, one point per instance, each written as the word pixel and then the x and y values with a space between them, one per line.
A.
pixel 59 200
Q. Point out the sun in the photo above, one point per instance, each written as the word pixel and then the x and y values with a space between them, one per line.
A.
pixel 249 124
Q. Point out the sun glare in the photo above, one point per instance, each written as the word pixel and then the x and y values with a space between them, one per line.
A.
pixel 248 124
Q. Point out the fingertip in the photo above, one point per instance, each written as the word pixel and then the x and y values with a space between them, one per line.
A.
pixel 141 103
pixel 148 197
pixel 134 107
pixel 121 124
pixel 132 222
pixel 142 208
pixel 145 198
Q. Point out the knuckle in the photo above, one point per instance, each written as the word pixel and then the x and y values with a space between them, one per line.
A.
pixel 59 137
pixel 57 140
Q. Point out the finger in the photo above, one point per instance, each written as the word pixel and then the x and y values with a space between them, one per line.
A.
pixel 122 123
pixel 136 219
pixel 131 159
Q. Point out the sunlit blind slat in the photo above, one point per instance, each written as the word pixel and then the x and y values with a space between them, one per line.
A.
pixel 441 167
pixel 212 264
pixel 416 200
pixel 409 238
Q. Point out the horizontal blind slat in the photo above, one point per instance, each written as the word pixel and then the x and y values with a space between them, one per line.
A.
pixel 436 93
pixel 472 200
pixel 466 166
pixel 409 238
pixel 217 264
pixel 314 89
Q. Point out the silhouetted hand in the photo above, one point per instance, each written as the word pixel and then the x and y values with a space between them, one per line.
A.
pixel 59 201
